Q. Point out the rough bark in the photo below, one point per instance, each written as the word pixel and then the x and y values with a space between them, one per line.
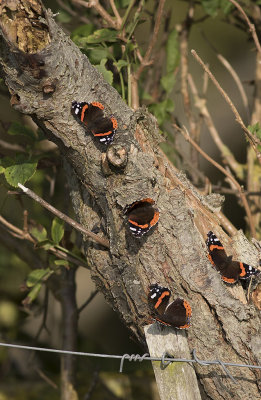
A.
pixel 224 326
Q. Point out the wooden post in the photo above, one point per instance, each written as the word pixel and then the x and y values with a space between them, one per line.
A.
pixel 178 380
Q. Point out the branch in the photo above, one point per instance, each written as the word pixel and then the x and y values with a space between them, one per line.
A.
pixel 230 177
pixel 21 235
pixel 252 139
pixel 68 220
pixel 146 59
pixel 87 302
pixel 98 7
pixel 116 13
pixel 224 150
pixel 251 26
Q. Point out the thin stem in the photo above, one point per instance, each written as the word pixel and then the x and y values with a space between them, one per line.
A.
pixel 230 177
pixel 251 26
pixel 235 76
pixel 252 139
pixel 129 82
pixel 146 59
pixel 98 7
pixel 224 150
pixel 64 217
pixel 124 19
pixel 116 13
pixel 58 252
pixel 87 302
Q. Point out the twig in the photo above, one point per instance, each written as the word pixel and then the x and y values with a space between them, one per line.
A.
pixel 116 13
pixel 46 378
pixel 11 146
pixel 238 82
pixel 125 17
pixel 230 177
pixel 64 217
pixel 224 150
pixel 226 223
pixel 87 302
pixel 251 26
pixel 98 7
pixel 146 59
pixel 233 73
pixel 20 234
pixel 43 323
pixel 25 221
pixel 94 382
pixel 252 139
pixel 194 128
pixel 226 190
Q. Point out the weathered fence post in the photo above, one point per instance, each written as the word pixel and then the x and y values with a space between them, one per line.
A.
pixel 178 380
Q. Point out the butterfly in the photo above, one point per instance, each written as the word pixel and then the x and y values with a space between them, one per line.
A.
pixel 230 270
pixel 92 117
pixel 142 216
pixel 176 314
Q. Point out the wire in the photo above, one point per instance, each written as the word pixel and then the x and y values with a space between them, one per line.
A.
pixel 165 359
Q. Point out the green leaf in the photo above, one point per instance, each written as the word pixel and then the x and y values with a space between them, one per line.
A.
pixel 226 6
pixel 19 129
pixel 44 244
pixel 211 6
pixel 57 230
pixel 162 110
pixel 37 276
pixel 172 51
pixel 2 169
pixel 32 294
pixel 108 75
pixel 102 35
pixel 38 233
pixel 97 54
pixel 19 170
pixel 168 82
pixel 82 31
pixel 255 129
pixel 120 64
pixel 61 262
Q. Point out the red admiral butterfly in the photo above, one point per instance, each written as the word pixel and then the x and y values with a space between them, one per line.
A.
pixel 230 270
pixel 142 216
pixel 176 314
pixel 92 117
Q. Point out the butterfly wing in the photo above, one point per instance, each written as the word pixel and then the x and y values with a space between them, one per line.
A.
pixel 177 314
pixel 158 298
pixel 142 216
pixel 217 254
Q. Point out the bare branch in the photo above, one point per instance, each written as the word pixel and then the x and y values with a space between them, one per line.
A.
pixel 230 177
pixel 64 217
pixel 146 60
pixel 224 150
pixel 116 13
pixel 251 26
pixel 98 7
pixel 235 76
pixel 252 139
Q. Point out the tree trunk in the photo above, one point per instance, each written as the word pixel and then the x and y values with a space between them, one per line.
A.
pixel 102 183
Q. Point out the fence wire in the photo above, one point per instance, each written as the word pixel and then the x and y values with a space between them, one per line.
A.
pixel 165 359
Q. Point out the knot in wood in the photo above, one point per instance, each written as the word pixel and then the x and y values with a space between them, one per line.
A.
pixel 49 86
pixel 117 155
